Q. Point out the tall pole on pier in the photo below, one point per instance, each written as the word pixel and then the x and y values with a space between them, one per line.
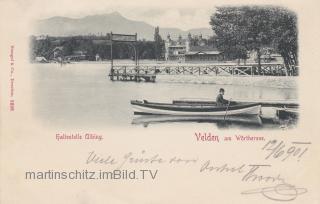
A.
pixel 111 53
pixel 137 55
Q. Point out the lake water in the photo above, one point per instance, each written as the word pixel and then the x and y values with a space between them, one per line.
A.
pixel 81 94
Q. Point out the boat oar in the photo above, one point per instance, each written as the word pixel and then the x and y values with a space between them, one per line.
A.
pixel 224 119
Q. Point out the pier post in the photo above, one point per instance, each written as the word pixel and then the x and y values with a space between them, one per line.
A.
pixel 111 53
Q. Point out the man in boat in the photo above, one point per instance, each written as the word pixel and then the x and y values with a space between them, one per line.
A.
pixel 220 100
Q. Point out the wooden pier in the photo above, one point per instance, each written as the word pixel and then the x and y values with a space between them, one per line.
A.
pixel 148 72
pixel 131 75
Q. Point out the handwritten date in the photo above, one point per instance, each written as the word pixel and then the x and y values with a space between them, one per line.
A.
pixel 280 150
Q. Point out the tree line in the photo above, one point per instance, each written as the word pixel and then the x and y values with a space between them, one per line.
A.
pixel 96 45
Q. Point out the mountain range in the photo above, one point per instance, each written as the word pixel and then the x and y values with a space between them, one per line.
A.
pixel 105 23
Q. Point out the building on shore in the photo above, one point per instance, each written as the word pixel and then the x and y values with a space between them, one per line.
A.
pixel 203 53
pixel 268 55
pixel 175 50
pixel 77 55
pixel 57 52
pixel 191 49
pixel 41 59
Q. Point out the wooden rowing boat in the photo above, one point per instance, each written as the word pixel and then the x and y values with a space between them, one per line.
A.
pixel 194 109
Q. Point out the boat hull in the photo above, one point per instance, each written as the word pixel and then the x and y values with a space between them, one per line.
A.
pixel 143 108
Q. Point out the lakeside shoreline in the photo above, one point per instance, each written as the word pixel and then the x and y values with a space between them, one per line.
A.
pixel 257 81
pixel 283 82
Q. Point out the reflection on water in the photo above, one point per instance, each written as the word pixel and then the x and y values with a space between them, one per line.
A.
pixel 82 95
pixel 220 121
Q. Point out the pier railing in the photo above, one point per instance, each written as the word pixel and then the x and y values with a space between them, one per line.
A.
pixel 148 72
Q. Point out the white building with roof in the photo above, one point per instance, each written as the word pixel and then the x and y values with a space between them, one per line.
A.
pixel 186 50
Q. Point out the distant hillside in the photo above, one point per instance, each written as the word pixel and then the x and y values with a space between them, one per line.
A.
pixel 102 24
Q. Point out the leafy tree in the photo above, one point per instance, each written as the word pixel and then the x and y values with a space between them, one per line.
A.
pixel 247 28
pixel 41 48
pixel 285 38
pixel 69 46
pixel 228 25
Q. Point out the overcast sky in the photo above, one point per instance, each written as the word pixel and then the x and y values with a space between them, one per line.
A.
pixel 183 18
pixel 183 14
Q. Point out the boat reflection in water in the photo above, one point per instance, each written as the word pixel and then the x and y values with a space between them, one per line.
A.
pixel 246 121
